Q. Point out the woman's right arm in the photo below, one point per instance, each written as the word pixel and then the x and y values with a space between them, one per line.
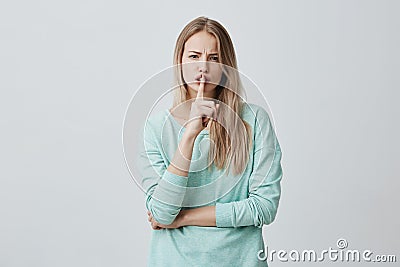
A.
pixel 165 188
pixel 176 177
pixel 164 185
pixel 180 163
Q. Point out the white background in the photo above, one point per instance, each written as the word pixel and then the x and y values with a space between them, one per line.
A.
pixel 330 72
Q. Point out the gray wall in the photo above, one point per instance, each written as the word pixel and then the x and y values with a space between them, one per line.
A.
pixel 329 70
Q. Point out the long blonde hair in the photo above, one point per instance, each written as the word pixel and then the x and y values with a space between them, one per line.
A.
pixel 231 131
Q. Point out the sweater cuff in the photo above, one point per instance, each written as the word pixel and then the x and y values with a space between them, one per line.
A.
pixel 223 214
pixel 171 189
pixel 175 179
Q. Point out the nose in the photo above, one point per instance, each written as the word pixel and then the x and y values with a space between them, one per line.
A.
pixel 203 67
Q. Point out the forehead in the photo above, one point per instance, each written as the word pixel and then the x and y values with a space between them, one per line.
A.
pixel 202 41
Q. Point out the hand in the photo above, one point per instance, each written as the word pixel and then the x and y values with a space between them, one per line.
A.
pixel 177 223
pixel 202 112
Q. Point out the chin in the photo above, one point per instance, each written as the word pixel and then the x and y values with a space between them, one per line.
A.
pixel 195 87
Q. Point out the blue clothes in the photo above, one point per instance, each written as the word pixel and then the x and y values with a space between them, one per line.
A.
pixel 244 203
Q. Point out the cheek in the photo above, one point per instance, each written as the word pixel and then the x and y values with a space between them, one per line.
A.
pixel 187 71
pixel 216 75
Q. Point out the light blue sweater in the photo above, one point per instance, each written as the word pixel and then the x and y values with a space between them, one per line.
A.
pixel 244 203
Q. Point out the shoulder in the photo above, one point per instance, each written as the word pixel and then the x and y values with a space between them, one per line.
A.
pixel 155 121
pixel 262 126
pixel 254 113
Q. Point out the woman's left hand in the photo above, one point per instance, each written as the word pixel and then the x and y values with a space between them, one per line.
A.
pixel 158 226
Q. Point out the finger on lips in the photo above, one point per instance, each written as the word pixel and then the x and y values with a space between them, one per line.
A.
pixel 200 92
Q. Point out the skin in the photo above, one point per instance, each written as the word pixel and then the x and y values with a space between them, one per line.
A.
pixel 199 57
pixel 201 51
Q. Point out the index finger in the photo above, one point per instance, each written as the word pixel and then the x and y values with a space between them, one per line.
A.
pixel 200 92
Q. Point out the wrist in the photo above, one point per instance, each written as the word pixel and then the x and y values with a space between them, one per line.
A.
pixel 190 134
pixel 184 218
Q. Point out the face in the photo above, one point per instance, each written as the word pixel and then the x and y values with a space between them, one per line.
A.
pixel 201 54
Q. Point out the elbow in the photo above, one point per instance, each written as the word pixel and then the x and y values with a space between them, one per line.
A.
pixel 265 211
pixel 162 213
pixel 164 218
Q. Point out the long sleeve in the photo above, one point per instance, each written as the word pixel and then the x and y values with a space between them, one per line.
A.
pixel 164 190
pixel 261 206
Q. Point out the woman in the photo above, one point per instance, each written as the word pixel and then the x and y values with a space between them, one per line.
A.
pixel 209 211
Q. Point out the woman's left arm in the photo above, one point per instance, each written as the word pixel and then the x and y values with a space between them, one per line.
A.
pixel 203 216
pixel 261 205
pixel 258 209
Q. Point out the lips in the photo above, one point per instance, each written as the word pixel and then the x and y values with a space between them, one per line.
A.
pixel 198 76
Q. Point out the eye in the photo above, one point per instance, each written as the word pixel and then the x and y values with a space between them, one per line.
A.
pixel 214 58
pixel 193 56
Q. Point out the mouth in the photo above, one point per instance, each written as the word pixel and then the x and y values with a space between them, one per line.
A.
pixel 199 82
pixel 197 79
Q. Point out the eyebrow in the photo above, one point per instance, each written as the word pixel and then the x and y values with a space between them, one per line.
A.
pixel 197 52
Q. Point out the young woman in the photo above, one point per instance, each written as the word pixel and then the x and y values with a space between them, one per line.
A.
pixel 210 165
